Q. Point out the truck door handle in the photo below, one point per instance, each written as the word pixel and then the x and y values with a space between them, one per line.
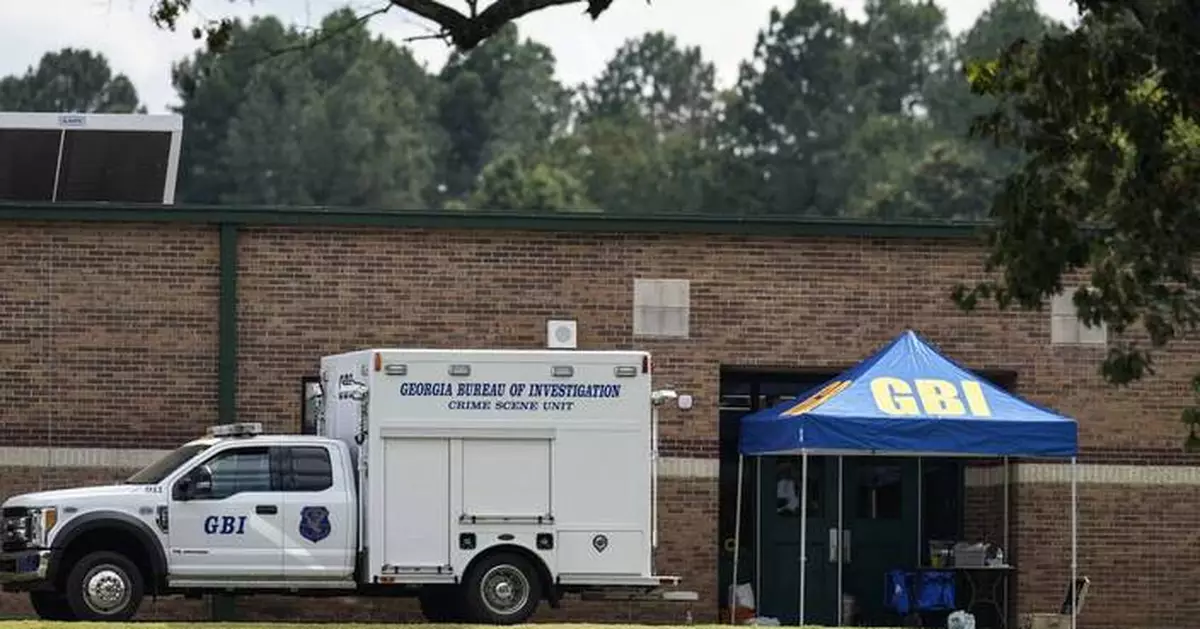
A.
pixel 266 509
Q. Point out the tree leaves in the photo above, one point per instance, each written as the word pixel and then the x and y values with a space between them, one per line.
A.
pixel 70 80
pixel 1105 113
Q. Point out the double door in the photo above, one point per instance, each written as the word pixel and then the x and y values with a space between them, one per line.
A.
pixel 878 498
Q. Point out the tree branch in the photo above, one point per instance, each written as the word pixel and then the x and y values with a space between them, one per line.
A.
pixel 324 35
pixel 463 31
pixel 467 32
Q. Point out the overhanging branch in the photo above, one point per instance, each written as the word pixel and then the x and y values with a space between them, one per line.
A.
pixel 466 32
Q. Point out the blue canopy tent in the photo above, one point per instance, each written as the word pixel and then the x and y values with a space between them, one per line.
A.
pixel 907 400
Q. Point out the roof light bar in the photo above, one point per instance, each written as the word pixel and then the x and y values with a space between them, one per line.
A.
pixel 243 429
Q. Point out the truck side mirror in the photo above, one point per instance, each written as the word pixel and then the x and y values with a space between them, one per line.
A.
pixel 183 488
pixel 201 481
pixel 194 484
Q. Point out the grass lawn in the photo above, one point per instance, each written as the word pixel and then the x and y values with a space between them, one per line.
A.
pixel 38 624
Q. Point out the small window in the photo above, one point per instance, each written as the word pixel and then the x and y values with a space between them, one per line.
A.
pixel 238 471
pixel 661 308
pixel 1066 328
pixel 310 405
pixel 309 469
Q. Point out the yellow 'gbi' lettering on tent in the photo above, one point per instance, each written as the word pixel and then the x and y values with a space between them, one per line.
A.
pixel 937 398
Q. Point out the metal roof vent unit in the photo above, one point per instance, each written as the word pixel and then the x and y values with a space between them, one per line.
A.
pixel 89 158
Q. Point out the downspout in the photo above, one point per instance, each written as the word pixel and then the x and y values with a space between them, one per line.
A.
pixel 221 606
pixel 227 356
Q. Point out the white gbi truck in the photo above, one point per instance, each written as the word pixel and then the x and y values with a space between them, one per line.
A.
pixel 481 481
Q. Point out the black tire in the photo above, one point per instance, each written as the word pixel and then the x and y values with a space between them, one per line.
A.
pixel 50 606
pixel 501 589
pixel 116 586
pixel 441 603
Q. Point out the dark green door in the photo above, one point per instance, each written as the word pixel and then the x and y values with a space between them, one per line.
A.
pixel 879 530
pixel 879 533
pixel 779 596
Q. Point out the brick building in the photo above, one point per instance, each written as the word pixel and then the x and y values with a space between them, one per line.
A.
pixel 129 329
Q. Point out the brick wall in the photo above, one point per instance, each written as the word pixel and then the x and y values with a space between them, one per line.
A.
pixel 108 333
pixel 1138 544
pixel 109 338
pixel 110 329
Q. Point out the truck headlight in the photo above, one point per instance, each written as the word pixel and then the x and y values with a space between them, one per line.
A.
pixel 42 521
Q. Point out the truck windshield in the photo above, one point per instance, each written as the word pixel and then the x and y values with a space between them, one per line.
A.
pixel 160 469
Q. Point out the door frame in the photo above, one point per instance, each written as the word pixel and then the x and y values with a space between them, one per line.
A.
pixel 754 384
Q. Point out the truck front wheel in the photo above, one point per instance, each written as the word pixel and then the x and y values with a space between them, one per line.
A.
pixel 502 589
pixel 50 605
pixel 104 586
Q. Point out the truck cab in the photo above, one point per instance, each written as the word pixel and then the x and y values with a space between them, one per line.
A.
pixel 234 509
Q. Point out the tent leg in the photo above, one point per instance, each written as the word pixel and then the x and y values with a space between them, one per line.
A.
pixel 758 465
pixel 841 536
pixel 737 543
pixel 804 532
pixel 1007 550
pixel 1074 540
pixel 920 505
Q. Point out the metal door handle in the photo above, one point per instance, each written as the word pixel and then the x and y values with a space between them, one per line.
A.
pixel 846 545
pixel 833 545
pixel 266 509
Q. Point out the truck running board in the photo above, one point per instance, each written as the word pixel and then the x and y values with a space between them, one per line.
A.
pixel 607 587
pixel 635 594
pixel 616 580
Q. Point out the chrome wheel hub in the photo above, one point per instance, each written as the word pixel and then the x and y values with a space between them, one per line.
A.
pixel 505 590
pixel 106 589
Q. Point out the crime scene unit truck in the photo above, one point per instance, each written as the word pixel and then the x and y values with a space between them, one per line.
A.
pixel 482 482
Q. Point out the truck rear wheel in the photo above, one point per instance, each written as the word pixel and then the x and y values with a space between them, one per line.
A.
pixel 50 605
pixel 104 586
pixel 502 589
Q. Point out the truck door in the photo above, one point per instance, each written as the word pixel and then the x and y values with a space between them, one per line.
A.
pixel 318 514
pixel 232 531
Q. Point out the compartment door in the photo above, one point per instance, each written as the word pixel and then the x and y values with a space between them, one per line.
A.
pixel 417 498
pixel 506 478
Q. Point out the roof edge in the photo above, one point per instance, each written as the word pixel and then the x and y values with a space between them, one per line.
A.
pixel 486 220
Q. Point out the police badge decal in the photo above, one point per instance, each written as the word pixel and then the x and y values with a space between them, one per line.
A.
pixel 314 523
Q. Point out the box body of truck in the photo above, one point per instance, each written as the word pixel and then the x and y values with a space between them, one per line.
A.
pixel 549 454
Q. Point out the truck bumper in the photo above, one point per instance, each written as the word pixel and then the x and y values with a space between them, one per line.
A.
pixel 24 568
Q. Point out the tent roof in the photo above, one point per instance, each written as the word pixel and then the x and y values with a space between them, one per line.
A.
pixel 909 399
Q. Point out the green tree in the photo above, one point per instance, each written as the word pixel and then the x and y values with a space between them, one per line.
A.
pixel 509 183
pixel 71 80
pixel 655 79
pixel 211 90
pixel 1106 114
pixel 925 165
pixel 644 138
pixel 952 105
pixel 345 123
pixel 899 46
pixel 500 98
pixel 793 111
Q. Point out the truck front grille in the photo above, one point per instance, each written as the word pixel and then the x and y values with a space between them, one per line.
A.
pixel 14 529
